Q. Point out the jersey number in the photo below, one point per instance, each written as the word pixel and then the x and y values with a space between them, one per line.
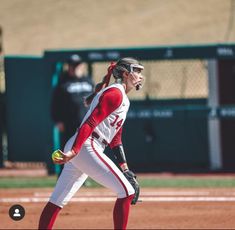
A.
pixel 117 123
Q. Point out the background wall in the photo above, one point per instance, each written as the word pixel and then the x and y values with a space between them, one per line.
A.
pixel 32 26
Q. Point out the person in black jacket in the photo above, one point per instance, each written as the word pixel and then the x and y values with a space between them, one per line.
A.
pixel 2 126
pixel 67 107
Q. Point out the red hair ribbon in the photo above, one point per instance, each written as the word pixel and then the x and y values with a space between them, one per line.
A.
pixel 110 71
pixel 101 85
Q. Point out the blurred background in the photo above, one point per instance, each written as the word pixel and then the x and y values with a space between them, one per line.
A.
pixel 30 27
pixel 183 118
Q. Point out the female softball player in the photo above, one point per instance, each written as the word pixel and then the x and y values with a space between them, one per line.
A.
pixel 83 154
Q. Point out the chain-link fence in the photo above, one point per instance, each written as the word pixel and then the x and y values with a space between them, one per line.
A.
pixel 178 79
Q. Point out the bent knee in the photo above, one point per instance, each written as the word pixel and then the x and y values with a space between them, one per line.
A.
pixel 128 192
pixel 131 191
pixel 58 202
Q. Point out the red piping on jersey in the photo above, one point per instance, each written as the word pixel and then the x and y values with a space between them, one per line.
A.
pixel 115 174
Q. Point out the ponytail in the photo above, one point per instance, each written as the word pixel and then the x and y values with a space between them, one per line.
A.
pixel 103 84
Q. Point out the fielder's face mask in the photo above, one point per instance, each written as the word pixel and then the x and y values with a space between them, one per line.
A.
pixel 137 68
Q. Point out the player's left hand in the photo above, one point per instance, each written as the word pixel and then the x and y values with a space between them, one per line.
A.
pixel 131 177
pixel 64 157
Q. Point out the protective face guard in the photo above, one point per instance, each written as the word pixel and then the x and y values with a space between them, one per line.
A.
pixel 132 69
pixel 137 66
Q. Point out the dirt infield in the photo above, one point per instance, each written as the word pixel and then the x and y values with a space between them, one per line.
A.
pixel 159 209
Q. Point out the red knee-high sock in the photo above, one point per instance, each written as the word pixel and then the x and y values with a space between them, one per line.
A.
pixel 121 212
pixel 48 216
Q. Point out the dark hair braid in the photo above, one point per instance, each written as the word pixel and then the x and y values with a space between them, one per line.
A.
pixel 103 84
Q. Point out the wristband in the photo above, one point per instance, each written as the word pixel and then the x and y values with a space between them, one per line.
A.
pixel 119 154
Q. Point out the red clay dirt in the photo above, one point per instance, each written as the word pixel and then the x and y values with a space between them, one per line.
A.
pixel 144 215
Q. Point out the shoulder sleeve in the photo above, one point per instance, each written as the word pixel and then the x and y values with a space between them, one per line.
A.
pixel 109 101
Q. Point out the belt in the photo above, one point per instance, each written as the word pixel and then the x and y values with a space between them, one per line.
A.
pixel 97 136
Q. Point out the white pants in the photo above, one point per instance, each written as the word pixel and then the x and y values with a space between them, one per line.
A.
pixel 92 162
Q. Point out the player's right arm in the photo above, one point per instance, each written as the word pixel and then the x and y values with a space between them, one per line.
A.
pixel 109 101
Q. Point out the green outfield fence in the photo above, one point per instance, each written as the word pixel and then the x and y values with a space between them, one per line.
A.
pixel 187 103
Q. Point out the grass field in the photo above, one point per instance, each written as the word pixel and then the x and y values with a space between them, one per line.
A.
pixel 168 201
pixel 154 181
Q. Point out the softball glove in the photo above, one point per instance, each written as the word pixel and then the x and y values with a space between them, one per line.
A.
pixel 131 177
